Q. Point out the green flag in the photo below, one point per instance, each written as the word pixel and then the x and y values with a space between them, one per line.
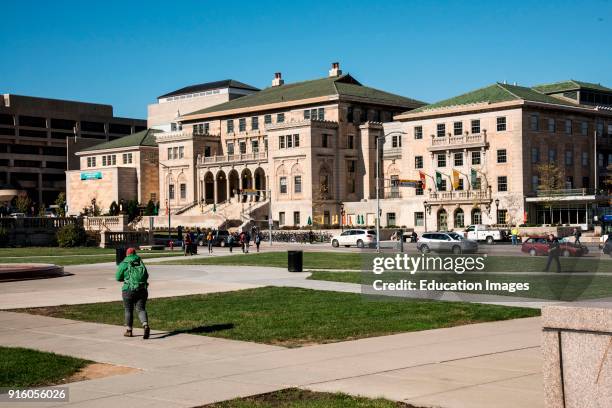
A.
pixel 473 178
pixel 438 180
pixel 309 220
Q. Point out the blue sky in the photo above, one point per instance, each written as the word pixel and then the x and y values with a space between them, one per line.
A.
pixel 126 53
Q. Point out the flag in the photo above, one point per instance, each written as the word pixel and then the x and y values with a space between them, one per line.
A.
pixel 438 180
pixel 422 177
pixel 456 178
pixel 309 220
pixel 473 177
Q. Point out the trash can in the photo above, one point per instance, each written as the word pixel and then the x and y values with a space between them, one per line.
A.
pixel 119 254
pixel 294 261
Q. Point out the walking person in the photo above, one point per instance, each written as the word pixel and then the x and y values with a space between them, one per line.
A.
pixel 257 240
pixel 133 273
pixel 242 239
pixel 553 253
pixel 187 244
pixel 514 232
pixel 209 239
pixel 230 242
pixel 577 235
pixel 247 241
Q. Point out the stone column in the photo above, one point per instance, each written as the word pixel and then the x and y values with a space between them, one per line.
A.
pixel 227 187
pixel 215 189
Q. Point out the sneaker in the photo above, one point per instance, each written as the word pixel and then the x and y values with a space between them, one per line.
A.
pixel 128 333
pixel 147 332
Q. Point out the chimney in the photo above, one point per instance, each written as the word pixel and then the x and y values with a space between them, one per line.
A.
pixel 335 70
pixel 277 81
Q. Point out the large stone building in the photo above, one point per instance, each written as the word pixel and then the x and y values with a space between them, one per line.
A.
pixel 309 144
pixel 164 114
pixel 476 158
pixel 38 137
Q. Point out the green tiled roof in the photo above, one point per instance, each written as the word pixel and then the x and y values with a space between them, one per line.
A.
pixel 343 86
pixel 570 85
pixel 497 92
pixel 142 138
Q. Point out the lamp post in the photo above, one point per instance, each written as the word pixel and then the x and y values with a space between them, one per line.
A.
pixel 168 202
pixel 496 210
pixel 378 138
pixel 342 217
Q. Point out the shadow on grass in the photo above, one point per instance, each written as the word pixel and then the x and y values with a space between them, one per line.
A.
pixel 196 330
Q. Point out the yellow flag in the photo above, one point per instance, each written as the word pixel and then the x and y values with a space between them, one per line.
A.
pixel 455 179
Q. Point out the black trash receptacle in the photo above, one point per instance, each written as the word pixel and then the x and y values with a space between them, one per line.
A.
pixel 295 261
pixel 119 254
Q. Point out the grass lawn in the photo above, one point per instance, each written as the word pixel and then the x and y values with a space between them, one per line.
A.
pixel 358 261
pixel 20 367
pixel 69 256
pixel 292 317
pixel 296 398
pixel 551 286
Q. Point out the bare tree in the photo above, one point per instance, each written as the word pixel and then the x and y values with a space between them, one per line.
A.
pixel 551 181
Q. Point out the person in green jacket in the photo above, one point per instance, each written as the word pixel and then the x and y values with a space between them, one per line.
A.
pixel 133 273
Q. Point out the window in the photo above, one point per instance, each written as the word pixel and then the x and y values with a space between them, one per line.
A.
pixel 418 162
pixel 267 119
pixel 501 156
pixel 364 114
pixel 183 188
pixel 350 142
pixel 349 115
pixel 502 183
pixel 316 114
pixel 171 191
pixel 476 126
pixel 584 128
pixel 230 149
pixel 266 144
pixel 350 168
pixel 255 146
pixel 502 215
pixel 207 151
pixel 585 159
pixel 230 126
pixel 181 152
pixel 127 158
pixel 460 184
pixel 297 184
pixel 324 140
pixel 170 156
pixel 568 127
pixel 458 128
pixel 477 183
pixel 289 141
pixel 296 140
pixel 600 127
pixel 534 122
pixel 585 182
pixel 242 124
pixel 475 158
pixel 419 189
pixel 476 216
pixel 440 129
pixel 443 185
pixel 458 159
pixel 501 123
pixel 396 141
pixel 391 219
pixel 569 182
pixel 418 132
pixel 441 160
pixel 535 155
pixel 91 162
pixel 283 185
pixel 321 113
pixel 535 182
pixel 552 155
pixel 459 218
pixel 419 219
pixel 296 218
pixel 242 146
pixel 569 157
pixel 280 117
pixel 206 128
pixel 281 218
pixel 552 127
pixel 281 142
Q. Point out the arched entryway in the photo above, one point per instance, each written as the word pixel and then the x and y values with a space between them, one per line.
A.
pixel 459 218
pixel 260 182
pixel 476 216
pixel 234 183
pixel 246 181
pixel 209 188
pixel 221 187
pixel 442 220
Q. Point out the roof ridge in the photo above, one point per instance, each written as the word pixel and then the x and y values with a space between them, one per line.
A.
pixel 503 86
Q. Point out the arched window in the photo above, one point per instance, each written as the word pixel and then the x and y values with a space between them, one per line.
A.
pixel 459 221
pixel 476 216
pixel 442 220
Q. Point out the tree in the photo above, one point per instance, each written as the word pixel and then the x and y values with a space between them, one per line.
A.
pixel 550 182
pixel 60 201
pixel 132 210
pixel 23 203
pixel 150 208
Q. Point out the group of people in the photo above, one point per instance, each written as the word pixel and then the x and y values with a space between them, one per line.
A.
pixel 212 238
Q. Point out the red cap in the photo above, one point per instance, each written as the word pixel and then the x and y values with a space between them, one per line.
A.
pixel 130 251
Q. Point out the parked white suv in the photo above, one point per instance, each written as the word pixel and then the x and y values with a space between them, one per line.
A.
pixel 442 241
pixel 355 237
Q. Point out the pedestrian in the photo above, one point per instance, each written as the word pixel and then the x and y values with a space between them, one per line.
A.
pixel 514 232
pixel 230 242
pixel 209 239
pixel 242 239
pixel 247 241
pixel 187 244
pixel 257 240
pixel 577 235
pixel 133 273
pixel 414 237
pixel 553 253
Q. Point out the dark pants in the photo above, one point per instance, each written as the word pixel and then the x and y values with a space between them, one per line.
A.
pixel 138 299
pixel 549 261
pixel 577 240
pixel 210 246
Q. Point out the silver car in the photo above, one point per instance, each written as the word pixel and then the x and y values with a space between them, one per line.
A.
pixel 446 242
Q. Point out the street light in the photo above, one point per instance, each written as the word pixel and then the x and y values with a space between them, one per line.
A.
pixel 378 138
pixel 496 210
pixel 168 202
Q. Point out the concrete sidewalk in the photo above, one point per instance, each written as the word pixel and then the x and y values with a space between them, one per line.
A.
pixel 483 365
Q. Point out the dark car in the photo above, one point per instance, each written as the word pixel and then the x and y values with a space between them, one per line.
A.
pixel 538 246
pixel 219 238
pixel 607 248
